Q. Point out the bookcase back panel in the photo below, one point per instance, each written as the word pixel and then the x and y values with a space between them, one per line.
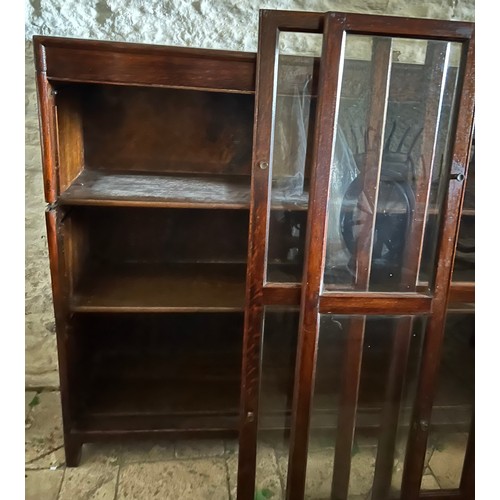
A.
pixel 129 235
pixel 167 130
pixel 143 364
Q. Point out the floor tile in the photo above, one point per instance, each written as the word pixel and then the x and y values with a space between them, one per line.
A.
pixel 429 482
pixel 90 482
pixel 198 448
pixel 43 484
pixel 268 479
pixel 29 399
pixel 44 436
pixel 447 459
pixel 198 479
pixel 147 451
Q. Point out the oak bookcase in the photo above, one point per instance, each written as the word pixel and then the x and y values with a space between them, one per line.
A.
pixel 180 227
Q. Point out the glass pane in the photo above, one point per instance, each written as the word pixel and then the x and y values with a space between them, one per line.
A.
pixel 465 256
pixel 391 150
pixel 279 346
pixel 295 103
pixel 337 337
pixel 453 405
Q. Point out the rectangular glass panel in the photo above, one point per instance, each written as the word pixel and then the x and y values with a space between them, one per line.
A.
pixel 279 347
pixel 464 265
pixel 388 170
pixel 336 337
pixel 294 104
pixel 453 405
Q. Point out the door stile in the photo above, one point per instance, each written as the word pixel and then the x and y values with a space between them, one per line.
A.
pixel 263 132
pixel 436 59
pixel 431 355
pixel 351 371
pixel 257 251
pixel 326 118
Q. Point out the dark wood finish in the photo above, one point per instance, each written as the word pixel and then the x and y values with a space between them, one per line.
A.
pixel 161 287
pixel 351 302
pixel 141 148
pixel 100 188
pixel 314 257
pixel 435 59
pixel 287 294
pixel 74 60
pixel 440 495
pixel 70 136
pixel 371 303
pixel 273 293
pixel 256 268
pixel 47 120
pixel 257 243
pixel 462 292
pixel 155 130
pixel 148 170
pixel 427 29
pixel 68 359
pixel 370 174
pixel 137 128
pixel 417 443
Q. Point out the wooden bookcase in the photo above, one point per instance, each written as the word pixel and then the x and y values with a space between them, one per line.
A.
pixel 191 278
pixel 147 154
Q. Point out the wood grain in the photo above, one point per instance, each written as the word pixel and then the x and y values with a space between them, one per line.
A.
pixel 104 188
pixel 148 65
pixel 370 175
pixel 161 288
pixel 326 113
pixel 436 58
pixel 460 149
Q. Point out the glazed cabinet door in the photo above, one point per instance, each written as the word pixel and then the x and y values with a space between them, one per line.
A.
pixel 290 45
pixel 363 127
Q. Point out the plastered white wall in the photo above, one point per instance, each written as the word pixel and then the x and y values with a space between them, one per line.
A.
pixel 221 24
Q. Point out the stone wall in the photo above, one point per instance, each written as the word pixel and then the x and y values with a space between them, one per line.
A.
pixel 223 24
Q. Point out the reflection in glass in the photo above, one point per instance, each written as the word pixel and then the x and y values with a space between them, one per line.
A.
pixel 295 104
pixel 453 405
pixel 336 338
pixel 278 351
pixel 396 111
pixel 465 256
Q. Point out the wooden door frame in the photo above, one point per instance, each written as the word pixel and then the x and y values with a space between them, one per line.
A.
pixel 313 300
pixel 258 295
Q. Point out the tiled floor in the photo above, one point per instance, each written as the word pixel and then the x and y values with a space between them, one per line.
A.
pixel 195 469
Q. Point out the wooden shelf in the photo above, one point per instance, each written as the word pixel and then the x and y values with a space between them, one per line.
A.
pixel 94 187
pixel 177 287
pixel 100 188
pixel 161 391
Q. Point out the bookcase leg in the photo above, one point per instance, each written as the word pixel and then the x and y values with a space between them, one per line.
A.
pixel 73 452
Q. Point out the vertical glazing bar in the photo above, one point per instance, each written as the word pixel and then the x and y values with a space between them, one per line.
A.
pixel 381 69
pixel 436 61
pixel 372 162
pixel 326 123
pixel 257 251
pixel 431 356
